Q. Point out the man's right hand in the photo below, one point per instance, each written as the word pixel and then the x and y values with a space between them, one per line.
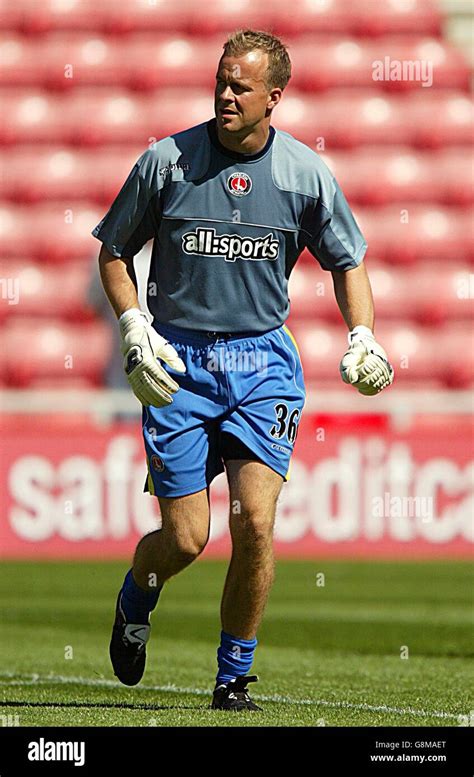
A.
pixel 141 347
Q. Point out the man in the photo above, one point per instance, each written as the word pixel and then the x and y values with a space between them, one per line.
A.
pixel 230 203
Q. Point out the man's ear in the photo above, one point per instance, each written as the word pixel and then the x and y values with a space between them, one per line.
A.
pixel 274 98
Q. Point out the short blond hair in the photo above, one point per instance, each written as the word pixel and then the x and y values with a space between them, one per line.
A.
pixel 279 64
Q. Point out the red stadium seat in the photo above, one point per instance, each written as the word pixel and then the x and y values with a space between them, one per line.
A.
pixel 378 175
pixel 394 233
pixel 226 15
pixel 439 293
pixel 405 234
pixel 428 294
pixel 171 110
pixel 53 15
pixel 322 16
pixel 142 15
pixel 27 114
pixel 54 233
pixel 342 62
pixel 434 119
pixel 66 60
pixel 21 65
pixel 122 117
pixel 172 61
pixel 384 17
pixel 32 173
pixel 411 350
pixel 320 346
pixel 455 168
pixel 84 116
pixel 144 69
pixel 311 293
pixel 456 345
pixel 104 116
pixel 14 235
pixel 33 17
pixel 408 234
pixel 364 17
pixel 45 292
pixel 92 116
pixel 423 63
pixel 374 119
pixel 55 350
pixel 369 176
pixel 419 353
pixel 438 119
pixel 414 352
pixel 325 64
pixel 11 15
pixel 376 17
pixel 63 60
pixel 86 59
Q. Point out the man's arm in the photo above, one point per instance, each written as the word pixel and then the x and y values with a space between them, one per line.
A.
pixel 354 296
pixel 142 346
pixel 365 364
pixel 119 281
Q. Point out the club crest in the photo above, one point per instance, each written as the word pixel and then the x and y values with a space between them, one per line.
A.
pixel 239 184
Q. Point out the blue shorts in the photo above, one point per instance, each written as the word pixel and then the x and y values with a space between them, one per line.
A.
pixel 249 385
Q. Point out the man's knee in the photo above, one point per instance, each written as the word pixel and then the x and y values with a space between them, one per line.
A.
pixel 189 543
pixel 253 527
pixel 185 525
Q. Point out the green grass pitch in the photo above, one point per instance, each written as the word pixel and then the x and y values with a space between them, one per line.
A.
pixel 379 644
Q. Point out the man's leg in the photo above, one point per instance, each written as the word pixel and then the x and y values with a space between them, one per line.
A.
pixel 254 489
pixel 159 555
pixel 183 536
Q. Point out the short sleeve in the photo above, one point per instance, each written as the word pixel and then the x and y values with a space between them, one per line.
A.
pixel 336 240
pixel 134 215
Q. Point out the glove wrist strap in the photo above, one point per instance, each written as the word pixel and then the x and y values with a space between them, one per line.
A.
pixel 132 315
pixel 358 333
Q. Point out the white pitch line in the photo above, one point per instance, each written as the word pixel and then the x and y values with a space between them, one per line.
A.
pixel 35 679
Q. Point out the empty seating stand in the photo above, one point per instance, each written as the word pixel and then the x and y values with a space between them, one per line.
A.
pixel 86 87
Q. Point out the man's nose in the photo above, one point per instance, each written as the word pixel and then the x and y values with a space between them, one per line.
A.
pixel 227 94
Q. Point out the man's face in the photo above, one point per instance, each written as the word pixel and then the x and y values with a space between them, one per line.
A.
pixel 242 96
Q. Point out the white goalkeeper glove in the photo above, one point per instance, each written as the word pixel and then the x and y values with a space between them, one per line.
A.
pixel 141 347
pixel 365 364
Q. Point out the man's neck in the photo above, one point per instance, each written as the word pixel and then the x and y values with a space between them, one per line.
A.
pixel 252 143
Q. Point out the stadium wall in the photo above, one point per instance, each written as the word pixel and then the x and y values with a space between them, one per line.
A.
pixel 360 486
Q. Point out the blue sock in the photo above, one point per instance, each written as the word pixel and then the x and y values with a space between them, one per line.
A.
pixel 137 603
pixel 234 657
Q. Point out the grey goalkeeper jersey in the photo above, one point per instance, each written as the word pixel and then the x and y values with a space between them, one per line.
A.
pixel 228 228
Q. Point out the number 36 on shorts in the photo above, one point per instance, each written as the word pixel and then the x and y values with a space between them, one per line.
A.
pixel 286 422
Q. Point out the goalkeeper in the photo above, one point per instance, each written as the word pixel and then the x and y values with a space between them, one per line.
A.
pixel 230 205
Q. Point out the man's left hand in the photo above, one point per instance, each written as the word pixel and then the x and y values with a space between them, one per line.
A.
pixel 365 364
